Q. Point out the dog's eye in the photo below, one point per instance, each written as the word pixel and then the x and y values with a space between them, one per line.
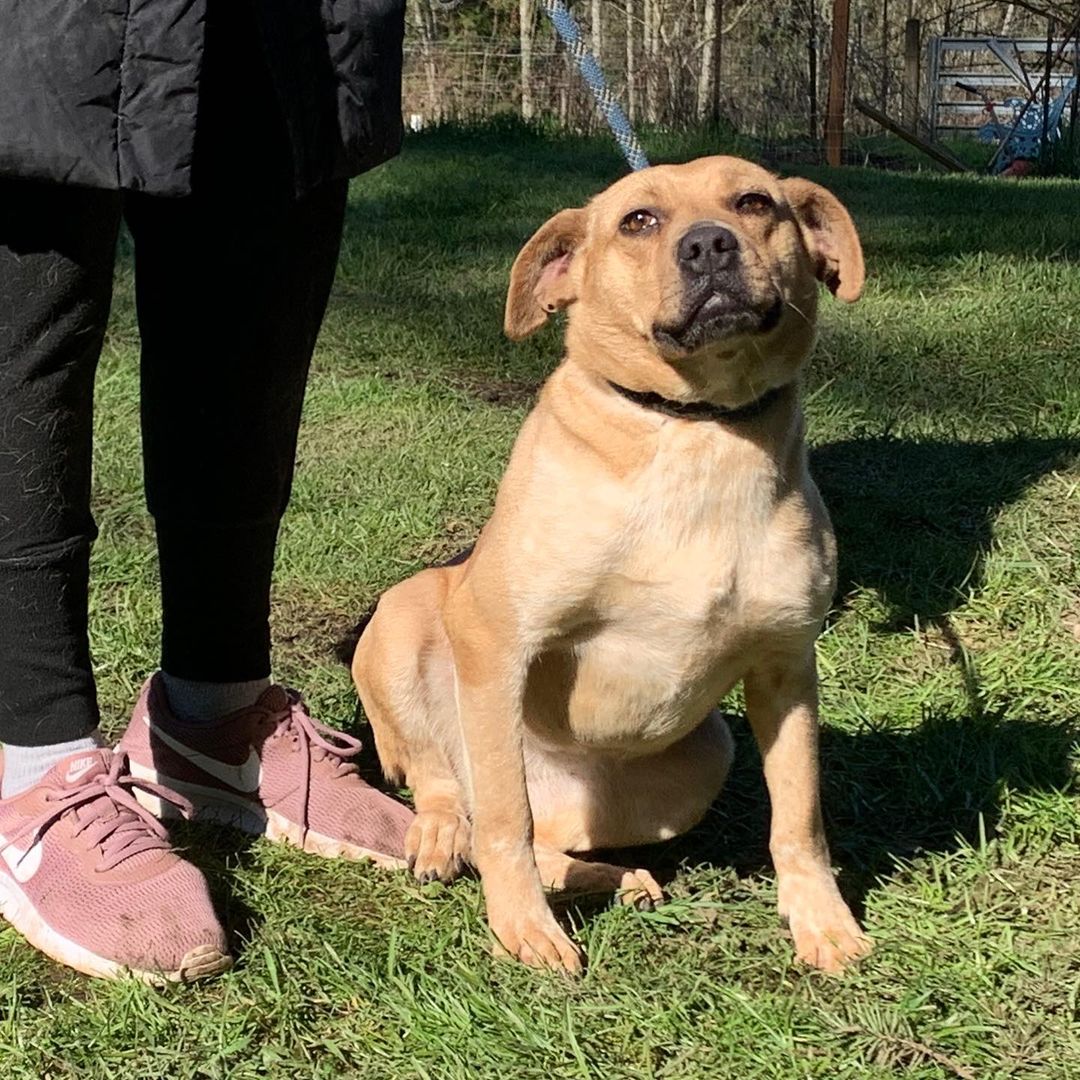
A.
pixel 754 202
pixel 638 221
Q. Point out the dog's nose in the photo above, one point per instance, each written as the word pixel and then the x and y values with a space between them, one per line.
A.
pixel 707 248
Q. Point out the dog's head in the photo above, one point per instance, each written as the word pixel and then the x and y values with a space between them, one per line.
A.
pixel 695 281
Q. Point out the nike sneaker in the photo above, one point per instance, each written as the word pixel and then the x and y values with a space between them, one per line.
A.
pixel 270 770
pixel 87 876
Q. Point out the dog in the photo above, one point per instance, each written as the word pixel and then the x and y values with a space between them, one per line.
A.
pixel 656 539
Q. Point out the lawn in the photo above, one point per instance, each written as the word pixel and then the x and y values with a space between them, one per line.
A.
pixel 944 415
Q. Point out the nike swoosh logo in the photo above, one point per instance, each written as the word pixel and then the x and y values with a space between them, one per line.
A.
pixel 246 776
pixel 23 863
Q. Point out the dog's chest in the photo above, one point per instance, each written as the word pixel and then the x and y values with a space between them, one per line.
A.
pixel 708 571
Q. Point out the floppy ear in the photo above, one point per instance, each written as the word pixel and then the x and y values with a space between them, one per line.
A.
pixel 830 237
pixel 540 280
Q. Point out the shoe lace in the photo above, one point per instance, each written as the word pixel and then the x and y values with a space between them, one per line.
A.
pixel 109 814
pixel 315 740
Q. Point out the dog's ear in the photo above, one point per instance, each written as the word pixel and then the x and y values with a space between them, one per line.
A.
pixel 830 237
pixel 540 279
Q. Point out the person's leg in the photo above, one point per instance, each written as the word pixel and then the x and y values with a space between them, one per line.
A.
pixel 232 292
pixel 85 875
pixel 232 283
pixel 56 263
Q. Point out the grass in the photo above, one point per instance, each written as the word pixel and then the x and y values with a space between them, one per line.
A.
pixel 944 412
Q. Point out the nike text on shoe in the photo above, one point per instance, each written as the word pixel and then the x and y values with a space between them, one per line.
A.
pixel 271 770
pixel 88 877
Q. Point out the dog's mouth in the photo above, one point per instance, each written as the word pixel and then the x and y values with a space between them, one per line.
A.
pixel 715 316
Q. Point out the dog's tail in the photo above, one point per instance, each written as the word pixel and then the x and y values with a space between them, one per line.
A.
pixel 346 647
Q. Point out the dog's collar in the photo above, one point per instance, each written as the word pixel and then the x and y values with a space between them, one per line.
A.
pixel 702 410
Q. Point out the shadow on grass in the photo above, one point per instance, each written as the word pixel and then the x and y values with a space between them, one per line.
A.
pixel 914 520
pixel 889 796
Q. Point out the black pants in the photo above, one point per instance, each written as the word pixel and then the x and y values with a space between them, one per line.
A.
pixel 231 287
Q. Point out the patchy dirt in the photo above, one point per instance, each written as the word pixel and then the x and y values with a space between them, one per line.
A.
pixel 506 392
pixel 455 538
pixel 1071 620
pixel 308 627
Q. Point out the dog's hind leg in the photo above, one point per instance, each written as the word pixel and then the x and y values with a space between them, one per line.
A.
pixel 583 802
pixel 403 672
pixel 563 873
pixel 391 743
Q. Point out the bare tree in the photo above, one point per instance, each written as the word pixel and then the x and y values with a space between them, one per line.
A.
pixel 424 23
pixel 663 57
pixel 527 21
pixel 710 38
pixel 652 14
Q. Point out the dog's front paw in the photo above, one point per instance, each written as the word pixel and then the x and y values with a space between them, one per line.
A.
pixel 824 931
pixel 437 845
pixel 536 940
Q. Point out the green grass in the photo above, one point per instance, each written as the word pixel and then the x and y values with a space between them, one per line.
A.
pixel 944 412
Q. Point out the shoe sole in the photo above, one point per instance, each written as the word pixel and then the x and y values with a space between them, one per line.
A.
pixel 202 962
pixel 223 808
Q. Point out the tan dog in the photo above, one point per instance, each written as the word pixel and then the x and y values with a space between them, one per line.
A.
pixel 656 539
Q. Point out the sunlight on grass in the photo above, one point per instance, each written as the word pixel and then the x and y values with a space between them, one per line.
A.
pixel 944 415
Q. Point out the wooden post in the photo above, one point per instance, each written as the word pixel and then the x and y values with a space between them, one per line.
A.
pixel 834 117
pixel 910 111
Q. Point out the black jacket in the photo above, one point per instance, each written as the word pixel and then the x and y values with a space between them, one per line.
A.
pixel 105 93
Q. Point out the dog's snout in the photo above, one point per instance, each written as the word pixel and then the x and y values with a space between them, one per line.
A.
pixel 707 248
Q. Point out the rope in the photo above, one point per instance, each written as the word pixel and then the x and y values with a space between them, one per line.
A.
pixel 567 28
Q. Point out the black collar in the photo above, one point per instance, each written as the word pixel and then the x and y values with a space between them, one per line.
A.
pixel 701 410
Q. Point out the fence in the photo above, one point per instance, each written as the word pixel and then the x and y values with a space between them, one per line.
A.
pixel 759 67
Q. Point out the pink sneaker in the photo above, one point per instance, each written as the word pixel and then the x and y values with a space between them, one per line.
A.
pixel 270 770
pixel 88 877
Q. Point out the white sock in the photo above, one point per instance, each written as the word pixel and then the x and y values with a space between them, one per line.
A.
pixel 197 702
pixel 24 766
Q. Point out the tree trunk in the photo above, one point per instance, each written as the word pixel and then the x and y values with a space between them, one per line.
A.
pixel 564 83
pixel 884 56
pixel 425 31
pixel 812 63
pixel 912 46
pixel 708 45
pixel 527 21
pixel 717 60
pixel 598 31
pixel 631 61
pixel 652 56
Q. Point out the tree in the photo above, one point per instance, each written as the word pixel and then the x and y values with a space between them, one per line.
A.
pixel 527 26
